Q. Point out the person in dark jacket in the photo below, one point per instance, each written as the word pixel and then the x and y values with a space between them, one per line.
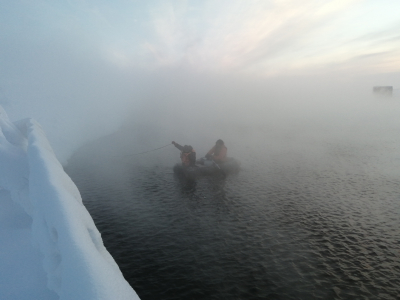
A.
pixel 188 155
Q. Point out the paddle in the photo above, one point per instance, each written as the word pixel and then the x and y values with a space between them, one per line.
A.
pixel 219 168
pixel 216 164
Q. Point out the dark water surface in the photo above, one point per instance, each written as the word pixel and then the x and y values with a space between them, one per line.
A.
pixel 292 224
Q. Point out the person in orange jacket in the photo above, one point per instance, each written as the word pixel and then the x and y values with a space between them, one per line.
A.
pixel 188 155
pixel 218 152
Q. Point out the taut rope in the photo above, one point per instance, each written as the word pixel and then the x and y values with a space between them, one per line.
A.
pixel 149 150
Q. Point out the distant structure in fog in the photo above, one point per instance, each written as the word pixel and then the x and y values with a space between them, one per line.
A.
pixel 383 90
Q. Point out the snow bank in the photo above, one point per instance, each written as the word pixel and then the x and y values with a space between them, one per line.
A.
pixel 77 264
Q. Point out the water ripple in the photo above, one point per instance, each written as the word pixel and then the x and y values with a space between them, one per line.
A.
pixel 275 231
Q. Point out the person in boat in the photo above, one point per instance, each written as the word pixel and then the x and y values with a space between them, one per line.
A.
pixel 188 155
pixel 218 152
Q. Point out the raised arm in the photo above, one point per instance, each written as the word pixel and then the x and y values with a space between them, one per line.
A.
pixel 177 145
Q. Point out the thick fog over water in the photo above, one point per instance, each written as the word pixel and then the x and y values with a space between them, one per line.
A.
pixel 83 101
pixel 311 214
pixel 309 115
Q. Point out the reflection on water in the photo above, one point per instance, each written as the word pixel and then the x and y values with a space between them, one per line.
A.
pixel 287 226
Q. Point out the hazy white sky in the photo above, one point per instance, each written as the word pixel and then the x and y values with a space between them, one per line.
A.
pixel 258 37
pixel 80 67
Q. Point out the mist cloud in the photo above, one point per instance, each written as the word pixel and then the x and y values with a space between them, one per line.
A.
pixel 81 68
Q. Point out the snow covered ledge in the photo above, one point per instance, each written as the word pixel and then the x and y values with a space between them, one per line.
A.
pixel 77 264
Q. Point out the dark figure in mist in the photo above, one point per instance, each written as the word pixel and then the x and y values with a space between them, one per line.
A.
pixel 218 152
pixel 188 155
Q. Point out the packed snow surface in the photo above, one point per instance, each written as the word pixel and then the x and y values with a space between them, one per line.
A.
pixel 45 230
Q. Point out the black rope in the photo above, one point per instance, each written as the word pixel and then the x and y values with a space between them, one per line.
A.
pixel 149 150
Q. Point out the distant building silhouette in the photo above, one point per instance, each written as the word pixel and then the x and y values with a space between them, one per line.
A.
pixel 383 90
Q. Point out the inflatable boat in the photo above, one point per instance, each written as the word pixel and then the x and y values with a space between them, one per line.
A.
pixel 208 167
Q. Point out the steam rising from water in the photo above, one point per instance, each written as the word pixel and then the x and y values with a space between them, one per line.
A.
pixel 313 205
pixel 90 100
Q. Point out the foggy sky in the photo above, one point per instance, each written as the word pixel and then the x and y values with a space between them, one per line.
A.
pixel 82 67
